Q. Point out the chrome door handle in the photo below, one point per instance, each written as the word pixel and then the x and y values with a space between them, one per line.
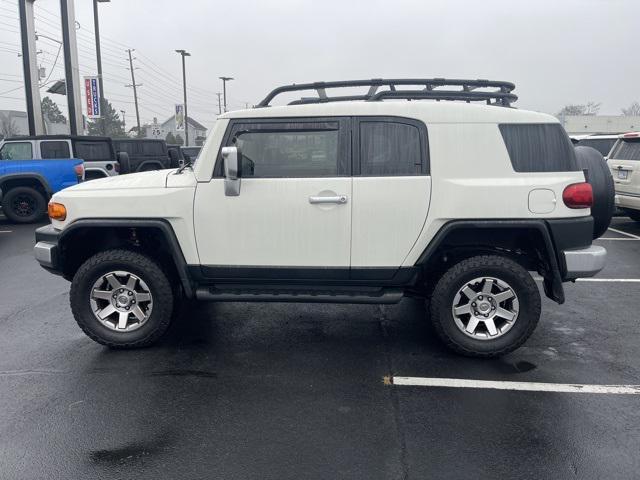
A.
pixel 340 199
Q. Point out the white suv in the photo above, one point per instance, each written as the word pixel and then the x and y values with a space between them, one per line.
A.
pixel 348 199
pixel 625 167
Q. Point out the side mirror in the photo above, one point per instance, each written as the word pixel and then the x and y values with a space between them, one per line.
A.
pixel 232 171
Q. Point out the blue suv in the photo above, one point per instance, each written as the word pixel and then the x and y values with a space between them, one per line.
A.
pixel 26 184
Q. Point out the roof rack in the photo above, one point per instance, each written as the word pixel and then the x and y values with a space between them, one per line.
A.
pixel 493 93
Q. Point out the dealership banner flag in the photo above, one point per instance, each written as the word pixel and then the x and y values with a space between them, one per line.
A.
pixel 92 94
pixel 180 117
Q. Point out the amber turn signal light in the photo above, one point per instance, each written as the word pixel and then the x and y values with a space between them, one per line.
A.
pixel 57 211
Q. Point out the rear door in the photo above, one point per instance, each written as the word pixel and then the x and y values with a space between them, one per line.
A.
pixel 391 192
pixel 624 163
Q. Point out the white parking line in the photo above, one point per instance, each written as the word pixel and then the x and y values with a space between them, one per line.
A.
pixel 6 231
pixel 621 280
pixel 625 239
pixel 635 237
pixel 520 386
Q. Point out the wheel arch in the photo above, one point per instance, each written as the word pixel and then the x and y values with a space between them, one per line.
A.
pixel 528 242
pixel 27 179
pixel 153 237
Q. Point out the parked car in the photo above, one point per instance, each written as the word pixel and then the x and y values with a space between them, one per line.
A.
pixel 191 153
pixel 601 142
pixel 360 201
pixel 100 159
pixel 624 163
pixel 27 184
pixel 146 154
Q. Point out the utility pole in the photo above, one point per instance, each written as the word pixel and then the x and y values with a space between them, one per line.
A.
pixel 224 89
pixel 96 27
pixel 134 85
pixel 184 53
pixel 124 122
pixel 219 104
pixel 71 67
pixel 30 68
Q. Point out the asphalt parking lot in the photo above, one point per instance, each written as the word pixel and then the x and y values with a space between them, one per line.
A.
pixel 282 391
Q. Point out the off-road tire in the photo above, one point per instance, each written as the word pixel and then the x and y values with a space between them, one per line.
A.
pixel 39 204
pixel 499 267
pixel 143 267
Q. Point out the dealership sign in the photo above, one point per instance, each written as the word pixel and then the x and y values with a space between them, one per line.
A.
pixel 92 94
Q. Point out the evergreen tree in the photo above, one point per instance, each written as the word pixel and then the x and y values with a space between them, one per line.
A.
pixel 170 138
pixel 51 111
pixel 179 139
pixel 109 124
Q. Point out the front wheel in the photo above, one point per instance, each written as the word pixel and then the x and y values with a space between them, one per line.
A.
pixel 485 306
pixel 24 205
pixel 122 299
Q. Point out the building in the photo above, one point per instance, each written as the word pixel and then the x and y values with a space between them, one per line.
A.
pixel 586 124
pixel 197 131
pixel 15 122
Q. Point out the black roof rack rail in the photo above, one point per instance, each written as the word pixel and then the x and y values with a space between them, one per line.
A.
pixel 494 92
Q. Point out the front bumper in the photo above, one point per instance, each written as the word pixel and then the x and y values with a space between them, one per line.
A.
pixel 46 254
pixel 46 249
pixel 584 262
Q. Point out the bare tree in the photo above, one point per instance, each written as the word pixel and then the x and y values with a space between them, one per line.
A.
pixel 632 111
pixel 590 108
pixel 8 127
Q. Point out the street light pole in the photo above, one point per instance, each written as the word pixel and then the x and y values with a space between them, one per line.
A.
pixel 96 27
pixel 184 53
pixel 224 90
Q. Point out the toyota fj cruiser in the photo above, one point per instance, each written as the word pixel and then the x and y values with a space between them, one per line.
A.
pixel 348 199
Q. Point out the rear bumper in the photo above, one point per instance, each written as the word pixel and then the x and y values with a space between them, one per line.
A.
pixel 584 262
pixel 627 200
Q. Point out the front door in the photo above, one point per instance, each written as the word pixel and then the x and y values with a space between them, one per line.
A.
pixel 292 218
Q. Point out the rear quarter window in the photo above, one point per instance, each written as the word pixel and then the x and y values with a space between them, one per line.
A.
pixel 93 151
pixel 539 147
pixel 627 150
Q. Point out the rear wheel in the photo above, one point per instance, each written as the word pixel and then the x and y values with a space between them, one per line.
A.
pixel 122 299
pixel 24 205
pixel 485 306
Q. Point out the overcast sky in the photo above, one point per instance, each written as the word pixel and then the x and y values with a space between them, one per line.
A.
pixel 556 51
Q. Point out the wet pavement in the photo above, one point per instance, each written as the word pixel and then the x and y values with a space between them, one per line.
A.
pixel 291 391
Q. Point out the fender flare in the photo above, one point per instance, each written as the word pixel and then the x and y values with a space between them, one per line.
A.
pixel 162 225
pixel 29 176
pixel 553 277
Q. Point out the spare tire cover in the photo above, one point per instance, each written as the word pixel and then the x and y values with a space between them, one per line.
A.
pixel 599 176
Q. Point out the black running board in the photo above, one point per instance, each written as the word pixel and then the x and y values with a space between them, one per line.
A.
pixel 372 296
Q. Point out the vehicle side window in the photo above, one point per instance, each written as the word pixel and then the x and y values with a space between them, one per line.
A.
pixel 130 148
pixel 389 149
pixel 152 148
pixel 16 151
pixel 93 151
pixel 627 150
pixel 539 147
pixel 291 149
pixel 54 150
